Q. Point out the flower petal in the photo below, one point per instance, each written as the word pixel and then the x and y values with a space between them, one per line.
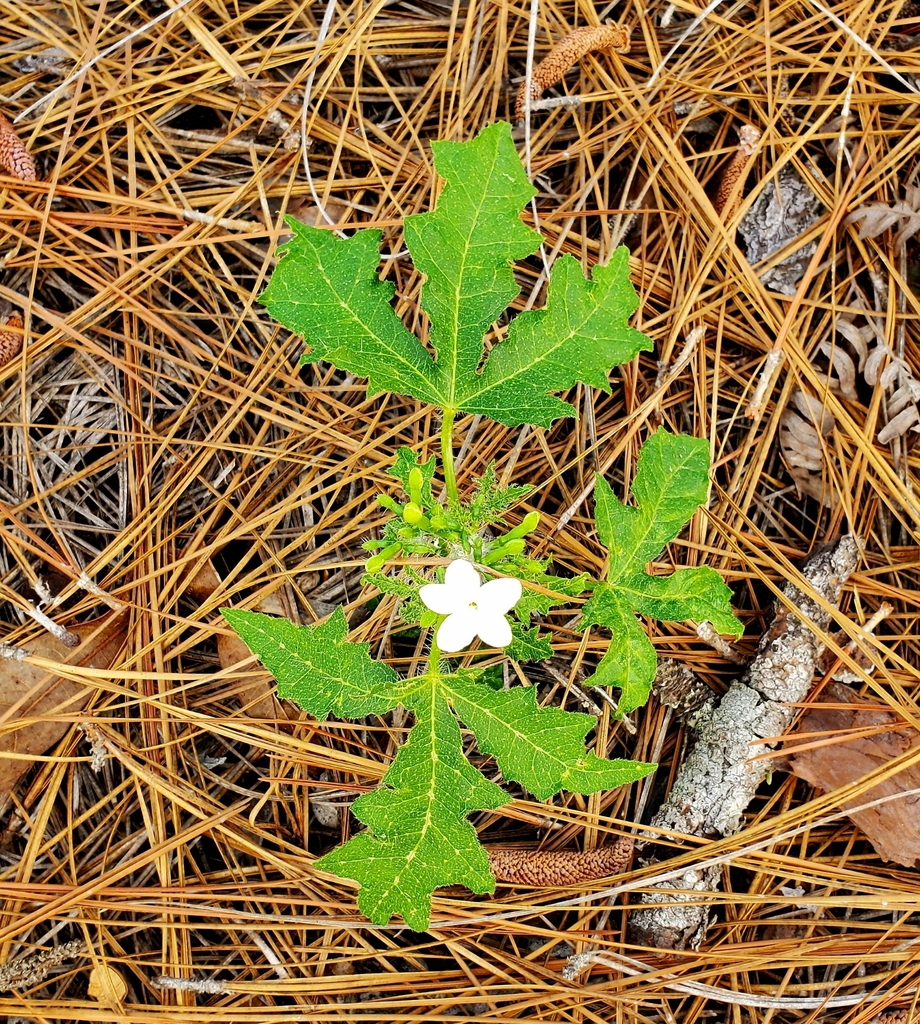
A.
pixel 442 598
pixel 499 596
pixel 493 629
pixel 457 631
pixel 463 579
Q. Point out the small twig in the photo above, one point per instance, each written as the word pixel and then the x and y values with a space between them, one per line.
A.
pixel 203 986
pixel 229 223
pixel 627 965
pixel 708 635
pixel 54 628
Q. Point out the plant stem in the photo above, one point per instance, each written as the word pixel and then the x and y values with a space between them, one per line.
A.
pixel 434 655
pixel 447 456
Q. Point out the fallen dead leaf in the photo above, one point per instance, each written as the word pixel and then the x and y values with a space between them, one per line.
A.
pixel 893 827
pixel 45 704
pixel 106 984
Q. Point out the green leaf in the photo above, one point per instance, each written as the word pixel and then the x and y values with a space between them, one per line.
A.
pixel 630 661
pixel 326 289
pixel 542 748
pixel 554 590
pixel 316 667
pixel 672 481
pixel 418 837
pixel 580 336
pixel 405 463
pixel 529 644
pixel 466 246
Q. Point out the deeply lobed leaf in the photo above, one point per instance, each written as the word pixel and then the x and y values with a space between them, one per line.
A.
pixel 671 482
pixel 542 748
pixel 418 838
pixel 326 289
pixel 316 667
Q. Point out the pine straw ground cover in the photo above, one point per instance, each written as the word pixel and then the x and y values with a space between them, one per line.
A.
pixel 159 437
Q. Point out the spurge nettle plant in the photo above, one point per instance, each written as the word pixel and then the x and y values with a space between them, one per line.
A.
pixel 455 566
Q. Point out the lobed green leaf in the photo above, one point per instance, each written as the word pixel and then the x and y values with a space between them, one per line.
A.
pixel 316 667
pixel 418 838
pixel 542 748
pixel 672 481
pixel 326 289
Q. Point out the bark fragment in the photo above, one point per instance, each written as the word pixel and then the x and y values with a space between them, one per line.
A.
pixel 718 779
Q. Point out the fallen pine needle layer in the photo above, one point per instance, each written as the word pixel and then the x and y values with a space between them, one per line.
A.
pixel 163 454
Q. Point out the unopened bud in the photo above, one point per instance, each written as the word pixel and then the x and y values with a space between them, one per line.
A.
pixel 378 561
pixel 416 479
pixel 527 525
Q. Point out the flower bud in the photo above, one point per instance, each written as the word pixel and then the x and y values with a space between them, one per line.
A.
pixel 414 516
pixel 504 549
pixel 377 562
pixel 416 479
pixel 527 525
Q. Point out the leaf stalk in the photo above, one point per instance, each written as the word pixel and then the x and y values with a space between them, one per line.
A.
pixel 447 456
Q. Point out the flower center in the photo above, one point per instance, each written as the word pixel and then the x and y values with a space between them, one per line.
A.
pixel 473 606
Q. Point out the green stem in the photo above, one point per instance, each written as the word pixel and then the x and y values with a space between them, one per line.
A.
pixel 447 456
pixel 434 655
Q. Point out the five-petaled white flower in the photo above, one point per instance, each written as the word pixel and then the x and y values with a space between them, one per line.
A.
pixel 473 608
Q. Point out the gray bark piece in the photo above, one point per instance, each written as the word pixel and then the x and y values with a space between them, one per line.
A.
pixel 785 208
pixel 717 780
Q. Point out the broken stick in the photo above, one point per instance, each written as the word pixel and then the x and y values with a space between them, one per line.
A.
pixel 719 778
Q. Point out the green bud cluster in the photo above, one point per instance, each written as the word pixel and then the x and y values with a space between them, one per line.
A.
pixel 422 526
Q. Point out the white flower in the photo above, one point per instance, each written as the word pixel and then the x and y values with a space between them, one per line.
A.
pixel 473 608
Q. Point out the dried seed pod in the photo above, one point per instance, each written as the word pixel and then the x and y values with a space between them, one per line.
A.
pixel 729 187
pixel 10 341
pixel 14 157
pixel 559 868
pixel 892 1017
pixel 567 53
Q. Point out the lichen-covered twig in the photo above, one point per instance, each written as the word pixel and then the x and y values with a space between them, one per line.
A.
pixel 719 778
pixel 559 867
pixel 567 53
pixel 14 157
pixel 34 968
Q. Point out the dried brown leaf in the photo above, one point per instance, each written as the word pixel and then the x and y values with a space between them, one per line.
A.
pixel 44 703
pixel 876 218
pixel 893 827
